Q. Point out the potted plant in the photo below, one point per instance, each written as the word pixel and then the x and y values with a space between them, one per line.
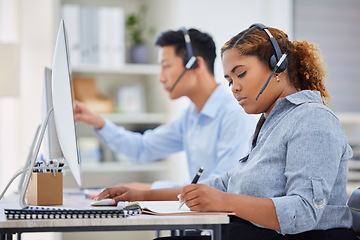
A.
pixel 136 32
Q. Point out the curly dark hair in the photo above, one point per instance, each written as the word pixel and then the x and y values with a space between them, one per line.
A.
pixel 306 69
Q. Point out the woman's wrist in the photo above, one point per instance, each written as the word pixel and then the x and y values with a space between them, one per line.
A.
pixel 227 202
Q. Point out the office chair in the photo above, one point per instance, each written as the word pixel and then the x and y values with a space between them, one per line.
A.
pixel 354 204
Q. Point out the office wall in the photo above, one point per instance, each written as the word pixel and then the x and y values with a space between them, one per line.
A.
pixel 333 26
pixel 8 105
pixel 29 24
pixel 224 19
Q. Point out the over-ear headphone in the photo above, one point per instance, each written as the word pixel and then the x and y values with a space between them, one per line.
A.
pixel 190 61
pixel 278 62
pixel 274 59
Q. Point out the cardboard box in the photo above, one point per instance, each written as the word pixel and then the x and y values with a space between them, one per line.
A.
pixel 45 189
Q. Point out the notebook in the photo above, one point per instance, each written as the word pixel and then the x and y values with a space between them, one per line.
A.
pixel 64 213
pixel 167 208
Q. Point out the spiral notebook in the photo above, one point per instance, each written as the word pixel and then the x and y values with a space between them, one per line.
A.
pixel 65 213
pixel 168 208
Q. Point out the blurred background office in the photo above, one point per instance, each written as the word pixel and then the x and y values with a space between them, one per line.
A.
pixel 110 77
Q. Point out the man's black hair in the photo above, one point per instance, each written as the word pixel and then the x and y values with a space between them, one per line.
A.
pixel 202 44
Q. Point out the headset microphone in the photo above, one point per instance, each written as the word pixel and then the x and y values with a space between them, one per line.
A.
pixel 277 62
pixel 189 64
pixel 190 61
pixel 283 57
pixel 177 80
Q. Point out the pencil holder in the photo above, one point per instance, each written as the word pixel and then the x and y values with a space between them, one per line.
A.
pixel 45 189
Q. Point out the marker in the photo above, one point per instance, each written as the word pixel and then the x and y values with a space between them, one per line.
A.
pixel 194 181
pixel 36 167
pixel 50 166
pixel 61 165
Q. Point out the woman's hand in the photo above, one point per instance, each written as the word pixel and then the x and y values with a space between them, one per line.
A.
pixel 200 197
pixel 83 114
pixel 122 193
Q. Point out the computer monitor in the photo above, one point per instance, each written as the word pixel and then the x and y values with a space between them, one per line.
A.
pixel 63 105
pixel 52 149
pixel 61 127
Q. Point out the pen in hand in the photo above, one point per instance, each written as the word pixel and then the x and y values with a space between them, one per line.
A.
pixel 194 181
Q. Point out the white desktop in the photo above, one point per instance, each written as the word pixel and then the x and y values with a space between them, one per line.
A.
pixel 63 105
pixel 59 119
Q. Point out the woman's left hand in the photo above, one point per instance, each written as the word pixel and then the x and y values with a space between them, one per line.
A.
pixel 200 197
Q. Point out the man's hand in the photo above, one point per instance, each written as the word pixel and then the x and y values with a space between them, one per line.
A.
pixel 83 114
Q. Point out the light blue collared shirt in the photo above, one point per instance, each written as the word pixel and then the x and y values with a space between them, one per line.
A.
pixel 300 161
pixel 216 138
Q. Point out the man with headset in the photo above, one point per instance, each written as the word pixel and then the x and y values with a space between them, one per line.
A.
pixel 208 130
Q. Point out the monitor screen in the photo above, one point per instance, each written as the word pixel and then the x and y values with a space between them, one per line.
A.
pixel 63 105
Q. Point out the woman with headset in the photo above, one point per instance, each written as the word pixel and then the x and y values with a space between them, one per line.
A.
pixel 292 185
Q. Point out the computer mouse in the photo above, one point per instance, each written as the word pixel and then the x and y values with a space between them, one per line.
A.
pixel 103 202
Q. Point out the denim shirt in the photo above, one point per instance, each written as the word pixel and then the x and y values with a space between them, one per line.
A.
pixel 205 137
pixel 300 161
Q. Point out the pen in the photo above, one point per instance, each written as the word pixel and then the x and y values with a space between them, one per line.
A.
pixel 195 180
pixel 197 176
pixel 40 163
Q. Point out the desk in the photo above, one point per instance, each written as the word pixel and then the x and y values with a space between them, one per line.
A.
pixel 132 223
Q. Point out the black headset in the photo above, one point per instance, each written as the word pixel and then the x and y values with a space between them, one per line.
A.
pixel 190 61
pixel 277 62
pixel 274 59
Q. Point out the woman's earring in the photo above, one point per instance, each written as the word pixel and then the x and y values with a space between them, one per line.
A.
pixel 277 78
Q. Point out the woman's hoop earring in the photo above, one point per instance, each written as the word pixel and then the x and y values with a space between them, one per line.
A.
pixel 277 78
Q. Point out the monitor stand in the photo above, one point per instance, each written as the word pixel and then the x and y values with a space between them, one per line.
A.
pixel 33 154
pixel 28 159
